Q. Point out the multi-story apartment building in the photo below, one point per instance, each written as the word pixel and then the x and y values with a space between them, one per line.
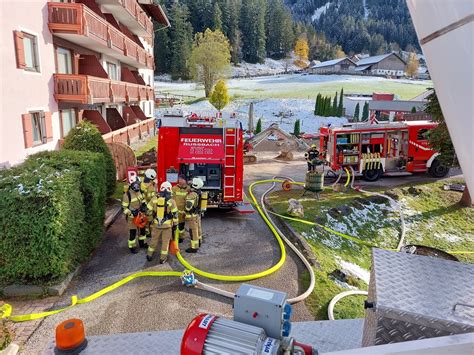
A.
pixel 67 61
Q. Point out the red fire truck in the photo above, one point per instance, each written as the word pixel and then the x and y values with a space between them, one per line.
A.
pixel 210 148
pixel 373 150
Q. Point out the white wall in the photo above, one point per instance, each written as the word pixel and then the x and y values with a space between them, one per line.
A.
pixel 20 90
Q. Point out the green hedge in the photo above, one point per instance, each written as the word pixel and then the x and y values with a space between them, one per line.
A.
pixel 52 214
pixel 42 223
pixel 86 137
pixel 92 167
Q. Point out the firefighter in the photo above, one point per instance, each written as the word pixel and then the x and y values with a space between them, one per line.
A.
pixel 179 193
pixel 148 185
pixel 148 188
pixel 133 202
pixel 164 213
pixel 197 185
pixel 311 157
pixel 191 208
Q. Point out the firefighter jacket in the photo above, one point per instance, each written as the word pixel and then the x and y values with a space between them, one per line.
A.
pixel 132 202
pixel 179 194
pixel 163 210
pixel 191 203
pixel 149 190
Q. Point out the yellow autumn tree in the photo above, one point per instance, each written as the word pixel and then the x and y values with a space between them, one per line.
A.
pixel 302 52
pixel 220 96
pixel 412 66
pixel 340 53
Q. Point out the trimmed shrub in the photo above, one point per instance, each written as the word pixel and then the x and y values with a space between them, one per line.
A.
pixel 92 168
pixel 42 223
pixel 86 137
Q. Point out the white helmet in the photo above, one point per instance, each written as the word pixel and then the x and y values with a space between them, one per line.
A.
pixel 150 174
pixel 166 186
pixel 197 183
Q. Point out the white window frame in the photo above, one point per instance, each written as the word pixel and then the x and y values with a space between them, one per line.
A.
pixel 35 54
pixel 110 64
pixel 43 139
pixel 74 116
pixel 61 50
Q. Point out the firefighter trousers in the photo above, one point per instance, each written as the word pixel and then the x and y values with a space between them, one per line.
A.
pixel 159 234
pixel 181 224
pixel 136 235
pixel 199 225
pixel 192 221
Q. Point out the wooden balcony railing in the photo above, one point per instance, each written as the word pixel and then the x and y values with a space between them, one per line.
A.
pixel 86 89
pixel 75 18
pixel 136 11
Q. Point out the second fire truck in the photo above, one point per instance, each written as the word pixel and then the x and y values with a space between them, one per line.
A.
pixel 374 150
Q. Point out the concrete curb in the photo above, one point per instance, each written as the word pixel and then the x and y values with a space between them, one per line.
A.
pixel 11 349
pixel 117 210
pixel 296 239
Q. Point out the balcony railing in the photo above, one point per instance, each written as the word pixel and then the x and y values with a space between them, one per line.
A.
pixel 86 89
pixel 78 19
pixel 136 11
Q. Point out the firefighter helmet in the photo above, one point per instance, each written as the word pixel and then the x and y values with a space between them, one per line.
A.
pixel 313 146
pixel 166 186
pixel 150 174
pixel 198 183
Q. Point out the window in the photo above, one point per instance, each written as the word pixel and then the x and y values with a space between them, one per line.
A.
pixel 26 50
pixel 64 59
pixel 38 127
pixel 68 121
pixel 112 71
pixel 31 53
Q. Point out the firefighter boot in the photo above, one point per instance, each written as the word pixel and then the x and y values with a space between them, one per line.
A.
pixel 142 238
pixel 181 231
pixel 132 241
pixel 194 244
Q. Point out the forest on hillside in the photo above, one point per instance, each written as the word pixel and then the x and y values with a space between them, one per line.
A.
pixel 257 29
pixel 378 27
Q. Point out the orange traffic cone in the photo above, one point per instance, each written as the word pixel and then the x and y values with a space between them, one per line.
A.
pixel 174 249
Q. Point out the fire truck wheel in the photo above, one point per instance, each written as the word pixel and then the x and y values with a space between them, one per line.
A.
pixel 372 175
pixel 438 170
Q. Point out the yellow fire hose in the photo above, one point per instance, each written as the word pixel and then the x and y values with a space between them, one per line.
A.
pixel 6 310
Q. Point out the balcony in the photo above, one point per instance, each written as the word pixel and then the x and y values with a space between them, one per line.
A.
pixel 88 90
pixel 130 14
pixel 80 25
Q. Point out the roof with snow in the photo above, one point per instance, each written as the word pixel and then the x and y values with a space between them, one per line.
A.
pixel 376 59
pixel 331 62
pixel 396 105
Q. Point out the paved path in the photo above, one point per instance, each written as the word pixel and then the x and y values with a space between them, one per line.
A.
pixel 235 245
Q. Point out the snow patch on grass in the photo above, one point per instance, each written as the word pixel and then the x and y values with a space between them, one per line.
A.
pixel 452 238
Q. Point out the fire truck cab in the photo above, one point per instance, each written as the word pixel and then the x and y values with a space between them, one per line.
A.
pixel 373 150
pixel 207 147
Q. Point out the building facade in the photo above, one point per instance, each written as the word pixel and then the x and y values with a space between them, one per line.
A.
pixel 340 65
pixel 384 65
pixel 67 61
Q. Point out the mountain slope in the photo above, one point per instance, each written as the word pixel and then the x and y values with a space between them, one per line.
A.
pixel 373 26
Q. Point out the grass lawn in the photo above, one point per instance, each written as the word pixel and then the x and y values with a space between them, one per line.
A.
pixel 303 87
pixel 432 215
pixel 148 145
